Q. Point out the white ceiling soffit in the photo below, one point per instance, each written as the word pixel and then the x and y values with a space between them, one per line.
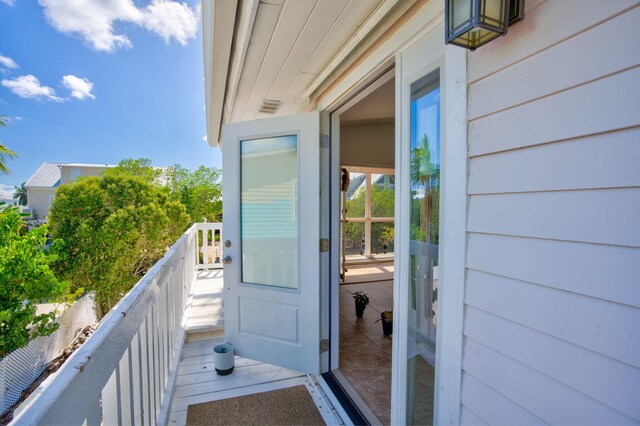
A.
pixel 280 51
pixel 218 23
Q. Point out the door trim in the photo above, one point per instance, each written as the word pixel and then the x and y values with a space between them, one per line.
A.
pixel 385 73
pixel 411 64
pixel 453 214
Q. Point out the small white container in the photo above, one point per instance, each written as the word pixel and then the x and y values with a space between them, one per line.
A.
pixel 223 358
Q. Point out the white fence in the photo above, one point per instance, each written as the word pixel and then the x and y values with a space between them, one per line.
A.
pixel 209 245
pixel 21 367
pixel 121 373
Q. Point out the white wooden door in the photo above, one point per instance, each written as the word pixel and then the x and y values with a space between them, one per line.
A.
pixel 271 216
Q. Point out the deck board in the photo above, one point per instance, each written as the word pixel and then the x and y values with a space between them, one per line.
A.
pixel 197 382
pixel 206 311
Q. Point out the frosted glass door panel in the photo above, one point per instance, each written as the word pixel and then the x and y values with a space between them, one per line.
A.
pixel 269 211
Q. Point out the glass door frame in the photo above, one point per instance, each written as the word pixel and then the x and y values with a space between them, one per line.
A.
pixel 408 51
pixel 380 76
pixel 425 55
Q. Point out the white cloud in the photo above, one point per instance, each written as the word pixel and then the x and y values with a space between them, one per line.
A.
pixel 170 19
pixel 204 138
pixel 80 87
pixel 6 192
pixel 7 62
pixel 94 20
pixel 28 86
pixel 9 2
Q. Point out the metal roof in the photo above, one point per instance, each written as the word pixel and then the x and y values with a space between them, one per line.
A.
pixel 47 176
pixel 85 165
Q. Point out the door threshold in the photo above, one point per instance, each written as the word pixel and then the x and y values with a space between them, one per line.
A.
pixel 348 399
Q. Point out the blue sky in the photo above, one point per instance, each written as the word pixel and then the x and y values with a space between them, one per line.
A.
pixel 115 79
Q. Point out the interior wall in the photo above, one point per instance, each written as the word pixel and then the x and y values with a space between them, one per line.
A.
pixel 367 144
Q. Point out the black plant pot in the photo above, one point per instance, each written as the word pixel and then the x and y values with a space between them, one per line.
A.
pixel 387 324
pixel 360 308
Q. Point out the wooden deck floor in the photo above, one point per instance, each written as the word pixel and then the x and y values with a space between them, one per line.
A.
pixel 197 381
pixel 206 311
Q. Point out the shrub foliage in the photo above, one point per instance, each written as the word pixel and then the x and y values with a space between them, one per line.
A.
pixel 114 229
pixel 25 280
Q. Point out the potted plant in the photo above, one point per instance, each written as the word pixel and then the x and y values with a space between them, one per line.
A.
pixel 387 322
pixel 362 300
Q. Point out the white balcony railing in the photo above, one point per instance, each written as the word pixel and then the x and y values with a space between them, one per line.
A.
pixel 121 374
pixel 210 241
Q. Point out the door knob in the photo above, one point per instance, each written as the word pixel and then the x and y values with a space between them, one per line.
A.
pixel 226 260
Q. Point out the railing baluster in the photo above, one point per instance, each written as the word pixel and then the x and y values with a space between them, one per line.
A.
pixel 112 380
pixel 124 387
pixel 110 409
pixel 147 372
pixel 156 365
pixel 136 378
pixel 94 416
pixel 163 334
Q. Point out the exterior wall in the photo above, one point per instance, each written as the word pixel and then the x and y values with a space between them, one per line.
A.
pixel 40 201
pixel 552 299
pixel 65 172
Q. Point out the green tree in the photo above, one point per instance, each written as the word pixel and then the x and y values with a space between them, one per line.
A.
pixel 5 153
pixel 25 280
pixel 425 175
pixel 140 167
pixel 115 228
pixel 21 194
pixel 200 191
pixel 382 205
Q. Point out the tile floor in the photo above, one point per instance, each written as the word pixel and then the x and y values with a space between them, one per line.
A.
pixel 365 352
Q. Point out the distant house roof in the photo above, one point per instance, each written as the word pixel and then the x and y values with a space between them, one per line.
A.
pixel 47 176
pixel 85 165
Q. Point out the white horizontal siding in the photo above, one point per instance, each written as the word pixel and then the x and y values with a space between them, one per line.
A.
pixel 550 400
pixel 603 327
pixel 594 216
pixel 543 27
pixel 615 384
pixel 600 271
pixel 493 407
pixel 553 289
pixel 468 417
pixel 599 161
pixel 600 106
pixel 567 62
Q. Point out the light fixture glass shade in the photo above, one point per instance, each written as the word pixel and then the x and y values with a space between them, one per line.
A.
pixel 472 23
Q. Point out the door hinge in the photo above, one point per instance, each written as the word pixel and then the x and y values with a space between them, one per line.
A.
pixel 324 245
pixel 324 346
pixel 324 140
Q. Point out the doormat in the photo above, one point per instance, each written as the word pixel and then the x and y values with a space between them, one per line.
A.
pixel 289 406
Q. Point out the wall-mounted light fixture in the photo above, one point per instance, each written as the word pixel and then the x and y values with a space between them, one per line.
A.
pixel 472 23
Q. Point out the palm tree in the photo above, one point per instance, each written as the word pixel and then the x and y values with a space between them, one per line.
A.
pixel 20 195
pixel 426 174
pixel 5 153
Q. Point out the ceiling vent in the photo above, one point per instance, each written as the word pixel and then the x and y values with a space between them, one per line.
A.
pixel 269 106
